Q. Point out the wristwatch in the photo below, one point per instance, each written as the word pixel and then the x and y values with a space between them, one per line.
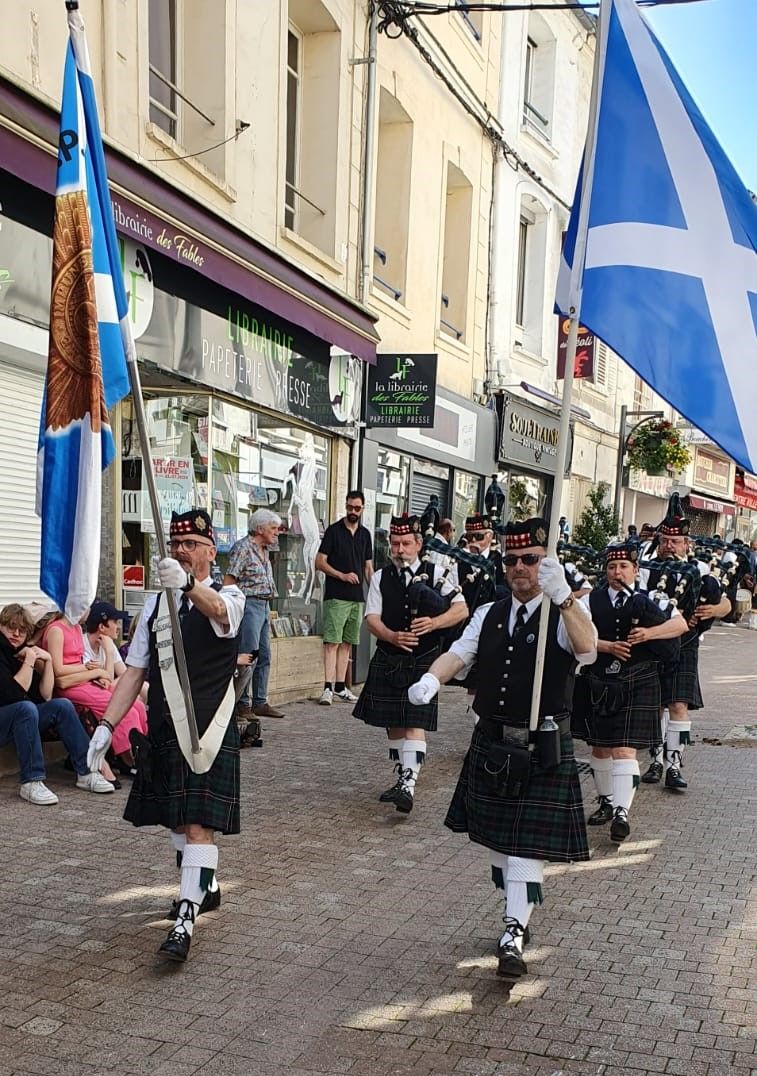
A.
pixel 190 584
pixel 567 603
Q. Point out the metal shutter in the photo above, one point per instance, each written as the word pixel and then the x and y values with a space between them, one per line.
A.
pixel 423 486
pixel 20 403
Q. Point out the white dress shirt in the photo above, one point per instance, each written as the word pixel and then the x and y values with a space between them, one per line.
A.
pixel 374 605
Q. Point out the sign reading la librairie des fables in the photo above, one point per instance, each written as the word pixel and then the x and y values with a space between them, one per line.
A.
pixel 401 391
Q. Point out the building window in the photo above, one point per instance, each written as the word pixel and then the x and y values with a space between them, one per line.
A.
pixel 164 66
pixel 457 237
pixel 311 123
pixel 529 275
pixel 474 20
pixel 520 296
pixel 539 77
pixel 395 147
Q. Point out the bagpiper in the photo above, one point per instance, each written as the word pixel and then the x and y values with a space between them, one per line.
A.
pixel 410 604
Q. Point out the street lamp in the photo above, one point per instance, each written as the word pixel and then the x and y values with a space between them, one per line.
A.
pixel 645 416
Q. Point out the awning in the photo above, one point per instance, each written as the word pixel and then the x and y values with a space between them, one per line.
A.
pixel 709 504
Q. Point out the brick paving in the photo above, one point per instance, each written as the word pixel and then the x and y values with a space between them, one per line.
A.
pixel 354 940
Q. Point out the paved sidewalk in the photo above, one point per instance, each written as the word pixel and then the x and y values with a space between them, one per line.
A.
pixel 354 940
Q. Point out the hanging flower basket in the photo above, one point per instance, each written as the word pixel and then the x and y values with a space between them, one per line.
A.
pixel 656 447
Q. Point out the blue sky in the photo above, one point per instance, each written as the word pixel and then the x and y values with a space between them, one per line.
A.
pixel 713 45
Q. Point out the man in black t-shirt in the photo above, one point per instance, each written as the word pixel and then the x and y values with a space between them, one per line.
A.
pixel 346 559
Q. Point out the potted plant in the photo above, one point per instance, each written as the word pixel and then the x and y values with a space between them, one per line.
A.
pixel 656 446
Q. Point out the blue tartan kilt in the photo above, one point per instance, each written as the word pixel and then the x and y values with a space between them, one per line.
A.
pixel 636 723
pixel 546 822
pixel 167 793
pixel 680 682
pixel 383 701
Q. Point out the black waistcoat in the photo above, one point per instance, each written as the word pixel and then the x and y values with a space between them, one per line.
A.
pixel 210 661
pixel 395 609
pixel 614 624
pixel 506 668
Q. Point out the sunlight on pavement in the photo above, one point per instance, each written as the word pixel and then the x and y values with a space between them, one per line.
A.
pixel 598 864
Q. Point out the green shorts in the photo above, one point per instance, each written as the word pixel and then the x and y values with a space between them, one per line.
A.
pixel 341 621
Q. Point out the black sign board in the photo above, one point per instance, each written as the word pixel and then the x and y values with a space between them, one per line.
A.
pixel 401 391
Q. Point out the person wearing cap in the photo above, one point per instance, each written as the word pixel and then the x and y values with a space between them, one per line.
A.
pixel 680 689
pixel 100 635
pixel 479 532
pixel 27 710
pixel 190 794
pixel 619 695
pixel 538 817
pixel 250 570
pixel 407 615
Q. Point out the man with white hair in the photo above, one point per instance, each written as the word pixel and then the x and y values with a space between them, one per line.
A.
pixel 250 569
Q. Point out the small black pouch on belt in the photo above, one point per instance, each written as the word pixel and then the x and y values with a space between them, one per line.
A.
pixel 508 767
pixel 141 749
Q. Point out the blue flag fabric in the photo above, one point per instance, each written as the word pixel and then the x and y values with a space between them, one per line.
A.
pixel 670 274
pixel 90 343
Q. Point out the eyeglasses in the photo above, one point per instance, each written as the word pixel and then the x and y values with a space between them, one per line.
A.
pixel 186 543
pixel 529 559
pixel 355 507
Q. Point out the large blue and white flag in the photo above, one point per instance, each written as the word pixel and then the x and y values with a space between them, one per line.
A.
pixel 670 238
pixel 90 341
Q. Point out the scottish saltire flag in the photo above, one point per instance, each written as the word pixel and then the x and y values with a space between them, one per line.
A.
pixel 670 232
pixel 89 344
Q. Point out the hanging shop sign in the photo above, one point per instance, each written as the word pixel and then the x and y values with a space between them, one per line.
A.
pixel 530 436
pixel 401 391
pixel 585 344
pixel 713 473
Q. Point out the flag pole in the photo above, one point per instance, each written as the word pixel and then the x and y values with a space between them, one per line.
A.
pixel 574 313
pixel 78 40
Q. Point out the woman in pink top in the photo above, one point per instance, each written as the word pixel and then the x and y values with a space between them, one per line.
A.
pixel 88 684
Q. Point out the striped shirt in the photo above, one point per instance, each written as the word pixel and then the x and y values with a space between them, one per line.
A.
pixel 251 567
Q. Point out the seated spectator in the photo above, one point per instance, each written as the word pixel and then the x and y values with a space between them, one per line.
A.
pixel 27 711
pixel 89 685
pixel 100 650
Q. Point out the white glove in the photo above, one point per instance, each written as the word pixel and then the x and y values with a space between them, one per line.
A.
pixel 98 748
pixel 552 580
pixel 171 574
pixel 424 691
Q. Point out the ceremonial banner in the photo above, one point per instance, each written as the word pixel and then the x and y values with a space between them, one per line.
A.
pixel 668 279
pixel 89 342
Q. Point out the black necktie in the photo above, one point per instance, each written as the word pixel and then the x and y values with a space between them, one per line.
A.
pixel 183 607
pixel 620 600
pixel 520 620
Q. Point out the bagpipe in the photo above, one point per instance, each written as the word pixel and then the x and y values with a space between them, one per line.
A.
pixel 476 574
pixel 677 583
pixel 425 586
pixel 583 565
pixel 724 567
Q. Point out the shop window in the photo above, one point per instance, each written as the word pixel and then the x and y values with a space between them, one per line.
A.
pixel 395 145
pixel 466 501
pixel 457 237
pixel 311 123
pixel 187 75
pixel 529 289
pixel 539 76
pixel 392 498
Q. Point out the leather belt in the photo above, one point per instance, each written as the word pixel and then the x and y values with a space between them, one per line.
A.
pixel 499 730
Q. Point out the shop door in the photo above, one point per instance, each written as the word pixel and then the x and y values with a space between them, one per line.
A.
pixel 20 405
pixel 423 486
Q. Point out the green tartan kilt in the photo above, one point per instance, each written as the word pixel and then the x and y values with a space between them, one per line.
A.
pixel 635 724
pixel 546 822
pixel 680 682
pixel 171 795
pixel 383 701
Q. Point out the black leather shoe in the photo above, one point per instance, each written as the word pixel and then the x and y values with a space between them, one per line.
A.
pixel 176 946
pixel 603 813
pixel 390 794
pixel 674 781
pixel 620 828
pixel 210 902
pixel 510 962
pixel 653 776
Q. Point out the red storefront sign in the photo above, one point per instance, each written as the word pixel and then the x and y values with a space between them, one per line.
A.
pixel 743 496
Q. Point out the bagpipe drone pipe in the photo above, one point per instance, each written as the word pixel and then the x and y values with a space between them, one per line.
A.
pixel 425 587
pixel 724 567
pixel 476 575
pixel 583 565
pixel 674 582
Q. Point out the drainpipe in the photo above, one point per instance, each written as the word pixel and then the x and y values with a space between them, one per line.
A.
pixel 498 302
pixel 369 153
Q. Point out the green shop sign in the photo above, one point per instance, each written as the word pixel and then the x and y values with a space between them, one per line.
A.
pixel 401 391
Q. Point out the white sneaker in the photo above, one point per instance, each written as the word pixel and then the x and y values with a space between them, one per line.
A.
pixel 345 695
pixel 326 696
pixel 94 782
pixel 37 792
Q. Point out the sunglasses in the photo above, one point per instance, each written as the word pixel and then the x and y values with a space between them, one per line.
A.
pixel 355 507
pixel 186 543
pixel 529 559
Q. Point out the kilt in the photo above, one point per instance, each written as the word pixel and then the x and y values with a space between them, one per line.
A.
pixel 546 822
pixel 636 723
pixel 383 701
pixel 166 792
pixel 680 682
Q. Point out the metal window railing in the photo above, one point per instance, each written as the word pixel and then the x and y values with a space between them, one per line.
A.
pixel 175 89
pixel 394 291
pixel 457 333
pixel 290 187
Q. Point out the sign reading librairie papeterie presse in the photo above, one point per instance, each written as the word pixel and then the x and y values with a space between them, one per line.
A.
pixel 401 391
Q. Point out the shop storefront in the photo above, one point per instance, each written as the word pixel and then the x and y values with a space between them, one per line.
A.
pixel 646 500
pixel 709 503
pixel 528 457
pixel 745 499
pixel 453 459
